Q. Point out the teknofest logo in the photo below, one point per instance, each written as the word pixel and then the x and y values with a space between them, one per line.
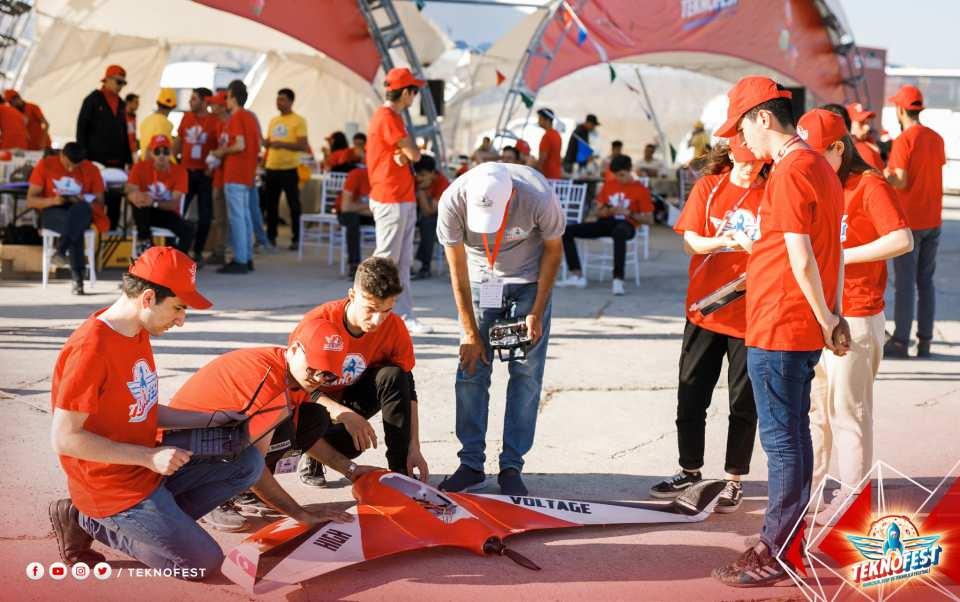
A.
pixel 894 550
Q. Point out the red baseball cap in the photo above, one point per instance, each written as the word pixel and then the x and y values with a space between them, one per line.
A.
pixel 909 98
pixel 746 94
pixel 115 71
pixel 820 128
pixel 160 140
pixel 399 78
pixel 9 94
pixel 322 344
pixel 219 98
pixel 739 150
pixel 857 112
pixel 522 147
pixel 169 267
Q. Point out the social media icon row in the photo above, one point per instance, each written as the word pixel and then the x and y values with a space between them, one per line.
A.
pixel 58 571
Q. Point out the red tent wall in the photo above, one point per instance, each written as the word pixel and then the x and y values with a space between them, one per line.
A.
pixel 334 27
pixel 787 36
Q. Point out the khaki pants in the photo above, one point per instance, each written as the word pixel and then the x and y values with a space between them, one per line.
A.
pixel 395 225
pixel 219 228
pixel 841 408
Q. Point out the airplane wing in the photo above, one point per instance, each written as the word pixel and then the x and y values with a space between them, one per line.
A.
pixel 919 543
pixel 870 547
pixel 396 513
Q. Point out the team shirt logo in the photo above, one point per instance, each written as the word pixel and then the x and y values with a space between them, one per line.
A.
pixel 516 233
pixel 143 388
pixel 333 342
pixel 802 132
pixel 741 220
pixel 843 229
pixel 158 191
pixel 279 131
pixel 196 135
pixel 67 186
pixel 354 366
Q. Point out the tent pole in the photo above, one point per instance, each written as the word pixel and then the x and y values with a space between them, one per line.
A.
pixel 664 143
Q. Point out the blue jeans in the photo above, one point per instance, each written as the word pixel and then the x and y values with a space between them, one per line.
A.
pixel 239 215
pixel 256 218
pixel 913 281
pixel 162 530
pixel 523 388
pixel 781 388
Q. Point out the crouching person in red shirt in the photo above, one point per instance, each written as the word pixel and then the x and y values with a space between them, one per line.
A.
pixel 127 492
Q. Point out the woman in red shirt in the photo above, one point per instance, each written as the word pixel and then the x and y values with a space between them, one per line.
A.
pixel 873 230
pixel 718 225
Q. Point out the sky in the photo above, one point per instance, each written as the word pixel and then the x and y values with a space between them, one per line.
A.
pixel 914 36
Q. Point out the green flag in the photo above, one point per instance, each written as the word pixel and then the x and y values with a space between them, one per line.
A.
pixel 527 100
pixel 613 73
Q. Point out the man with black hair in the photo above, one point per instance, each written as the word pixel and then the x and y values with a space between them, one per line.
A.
pixel 132 102
pixel 196 137
pixel 285 141
pixel 430 185
pixel 549 161
pixel 390 152
pixel 509 154
pixel 63 188
pixel 360 147
pixel 915 169
pixel 240 155
pixel 126 491
pixel 579 144
pixel 622 206
pixel 794 309
pixel 616 149
pixel 377 376
pixel 102 132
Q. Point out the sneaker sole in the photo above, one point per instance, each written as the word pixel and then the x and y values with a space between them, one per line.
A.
pixel 668 495
pixel 224 528
pixel 726 509
pixel 468 489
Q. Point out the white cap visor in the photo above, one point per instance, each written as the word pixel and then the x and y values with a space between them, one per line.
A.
pixel 488 189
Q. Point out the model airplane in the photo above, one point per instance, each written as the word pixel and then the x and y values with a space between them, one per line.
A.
pixel 395 513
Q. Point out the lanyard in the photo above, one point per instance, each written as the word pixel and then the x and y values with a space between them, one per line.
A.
pixel 492 257
pixel 729 214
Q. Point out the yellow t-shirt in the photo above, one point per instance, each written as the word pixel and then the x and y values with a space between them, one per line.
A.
pixel 154 125
pixel 285 128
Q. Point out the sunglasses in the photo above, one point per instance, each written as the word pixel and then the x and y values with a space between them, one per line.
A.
pixel 161 151
pixel 120 81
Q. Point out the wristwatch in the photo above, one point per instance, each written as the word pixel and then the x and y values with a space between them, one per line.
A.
pixel 351 468
pixel 155 204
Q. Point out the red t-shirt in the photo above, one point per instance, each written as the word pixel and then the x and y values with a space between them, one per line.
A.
pixel 132 132
pixel 160 185
pixel 550 155
pixel 220 126
pixel 112 378
pixel 56 180
pixel 871 210
pixel 919 152
pixel 241 168
pixel 357 183
pixel 389 182
pixel 803 196
pixel 440 183
pixel 199 136
pixel 13 128
pixel 388 344
pixel 37 138
pixel 340 157
pixel 870 153
pixel 633 195
pixel 733 208
pixel 234 376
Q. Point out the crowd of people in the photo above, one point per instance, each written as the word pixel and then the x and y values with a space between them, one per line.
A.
pixel 788 231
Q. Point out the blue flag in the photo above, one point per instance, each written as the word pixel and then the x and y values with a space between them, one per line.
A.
pixel 584 152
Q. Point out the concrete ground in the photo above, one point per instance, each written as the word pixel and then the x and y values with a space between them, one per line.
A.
pixel 606 431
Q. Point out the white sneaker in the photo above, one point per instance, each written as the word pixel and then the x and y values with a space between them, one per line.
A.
pixel 831 512
pixel 618 287
pixel 573 281
pixel 415 326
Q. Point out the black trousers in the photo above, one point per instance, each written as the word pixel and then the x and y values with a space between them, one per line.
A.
pixel 71 221
pixel 384 389
pixel 287 181
pixel 620 230
pixel 352 222
pixel 113 199
pixel 152 217
pixel 701 359
pixel 428 237
pixel 200 186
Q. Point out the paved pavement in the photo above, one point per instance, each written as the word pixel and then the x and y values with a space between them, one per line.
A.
pixel 605 431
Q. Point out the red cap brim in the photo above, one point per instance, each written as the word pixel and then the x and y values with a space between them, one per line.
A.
pixel 195 300
pixel 728 129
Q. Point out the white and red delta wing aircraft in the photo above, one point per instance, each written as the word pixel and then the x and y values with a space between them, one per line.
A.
pixel 395 513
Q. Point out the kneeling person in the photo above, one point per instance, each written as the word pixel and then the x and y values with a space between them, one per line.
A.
pixel 377 376
pixel 623 204
pixel 125 491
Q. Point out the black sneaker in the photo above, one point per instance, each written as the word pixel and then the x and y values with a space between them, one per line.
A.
pixel 77 287
pixel 421 275
pixel 311 472
pixel 511 483
pixel 730 498
pixel 923 348
pixel 464 479
pixel 232 268
pixel 752 569
pixel 250 266
pixel 895 349
pixel 294 246
pixel 73 542
pixel 198 259
pixel 226 517
pixel 674 486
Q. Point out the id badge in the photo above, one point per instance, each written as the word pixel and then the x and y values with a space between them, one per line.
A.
pixel 195 151
pixel 491 293
pixel 288 463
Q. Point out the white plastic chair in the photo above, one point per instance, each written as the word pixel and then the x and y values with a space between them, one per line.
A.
pixel 597 254
pixel 572 198
pixel 320 229
pixel 50 237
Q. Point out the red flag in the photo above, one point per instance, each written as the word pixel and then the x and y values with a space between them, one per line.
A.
pixel 500 77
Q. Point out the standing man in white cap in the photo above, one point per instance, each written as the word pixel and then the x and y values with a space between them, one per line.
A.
pixel 501 226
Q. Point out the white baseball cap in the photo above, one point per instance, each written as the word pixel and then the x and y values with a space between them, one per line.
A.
pixel 488 189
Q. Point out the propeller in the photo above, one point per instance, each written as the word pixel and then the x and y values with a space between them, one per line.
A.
pixel 494 545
